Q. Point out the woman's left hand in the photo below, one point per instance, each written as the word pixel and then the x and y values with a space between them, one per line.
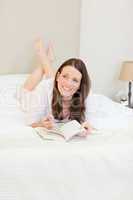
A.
pixel 88 128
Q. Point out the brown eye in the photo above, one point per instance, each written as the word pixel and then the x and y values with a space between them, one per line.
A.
pixel 75 80
pixel 65 76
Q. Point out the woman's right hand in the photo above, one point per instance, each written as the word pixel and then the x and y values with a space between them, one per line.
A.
pixel 47 122
pixel 45 57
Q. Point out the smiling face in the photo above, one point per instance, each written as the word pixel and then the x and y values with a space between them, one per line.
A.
pixel 68 81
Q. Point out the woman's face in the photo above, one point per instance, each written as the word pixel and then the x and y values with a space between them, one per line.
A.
pixel 68 81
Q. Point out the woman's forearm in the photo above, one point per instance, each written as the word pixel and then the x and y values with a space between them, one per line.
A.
pixel 36 124
pixel 34 79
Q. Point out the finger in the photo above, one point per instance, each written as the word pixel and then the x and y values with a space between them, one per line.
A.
pixel 46 122
pixel 48 125
pixel 49 118
pixel 87 126
pixel 83 134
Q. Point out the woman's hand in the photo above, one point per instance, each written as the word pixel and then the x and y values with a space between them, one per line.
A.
pixel 88 128
pixel 48 122
pixel 45 57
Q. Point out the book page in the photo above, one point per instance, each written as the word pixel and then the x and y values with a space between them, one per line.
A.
pixel 71 129
pixel 61 131
pixel 48 134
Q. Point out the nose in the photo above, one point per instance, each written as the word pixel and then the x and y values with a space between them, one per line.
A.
pixel 68 83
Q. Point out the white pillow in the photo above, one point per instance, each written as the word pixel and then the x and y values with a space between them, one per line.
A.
pixel 10 114
pixel 103 113
pixel 8 88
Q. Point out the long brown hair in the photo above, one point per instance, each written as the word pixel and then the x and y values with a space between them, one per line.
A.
pixel 77 106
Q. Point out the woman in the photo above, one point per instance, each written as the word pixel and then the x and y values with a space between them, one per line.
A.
pixel 69 89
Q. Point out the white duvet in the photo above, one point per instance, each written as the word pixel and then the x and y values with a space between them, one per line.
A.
pixel 99 167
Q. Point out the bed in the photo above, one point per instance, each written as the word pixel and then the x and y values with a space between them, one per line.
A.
pixel 98 167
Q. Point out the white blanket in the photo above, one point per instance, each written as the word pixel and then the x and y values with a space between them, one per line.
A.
pixel 99 167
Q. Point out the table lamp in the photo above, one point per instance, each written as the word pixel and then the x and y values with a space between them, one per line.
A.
pixel 126 74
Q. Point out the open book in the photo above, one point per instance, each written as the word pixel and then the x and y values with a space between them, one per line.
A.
pixel 65 131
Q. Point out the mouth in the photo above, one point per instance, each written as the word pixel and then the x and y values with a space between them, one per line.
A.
pixel 66 89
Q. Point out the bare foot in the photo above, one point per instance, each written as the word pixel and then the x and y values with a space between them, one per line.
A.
pixel 41 51
pixel 45 57
pixel 50 52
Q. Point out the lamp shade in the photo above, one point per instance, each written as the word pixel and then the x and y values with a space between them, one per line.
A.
pixel 126 73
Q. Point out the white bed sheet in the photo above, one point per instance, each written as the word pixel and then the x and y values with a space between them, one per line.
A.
pixel 100 167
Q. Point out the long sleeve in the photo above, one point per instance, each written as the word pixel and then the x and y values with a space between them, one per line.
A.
pixel 36 103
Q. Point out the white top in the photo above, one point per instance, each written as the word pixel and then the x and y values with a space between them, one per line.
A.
pixel 100 110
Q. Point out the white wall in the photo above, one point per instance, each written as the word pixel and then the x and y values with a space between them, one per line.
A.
pixel 21 21
pixel 106 40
